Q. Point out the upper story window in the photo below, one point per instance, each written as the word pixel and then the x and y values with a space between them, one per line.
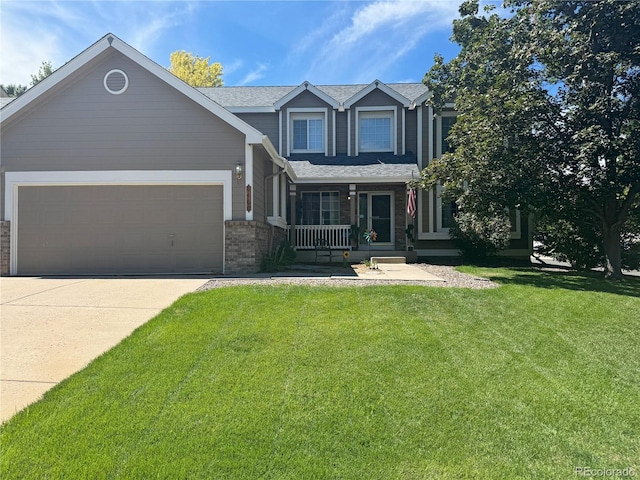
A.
pixel 307 134
pixel 307 131
pixel 444 122
pixel 376 129
pixel 375 133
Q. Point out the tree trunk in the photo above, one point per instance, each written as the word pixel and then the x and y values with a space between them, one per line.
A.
pixel 612 251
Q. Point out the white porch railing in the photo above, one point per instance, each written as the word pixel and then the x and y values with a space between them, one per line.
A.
pixel 337 236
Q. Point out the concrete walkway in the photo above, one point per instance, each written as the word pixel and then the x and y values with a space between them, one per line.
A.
pixel 53 327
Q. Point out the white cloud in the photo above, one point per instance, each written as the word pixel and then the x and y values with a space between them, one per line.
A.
pixel 378 35
pixel 33 32
pixel 234 66
pixel 255 74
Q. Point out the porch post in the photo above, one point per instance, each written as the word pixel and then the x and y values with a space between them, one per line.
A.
pixel 353 203
pixel 292 229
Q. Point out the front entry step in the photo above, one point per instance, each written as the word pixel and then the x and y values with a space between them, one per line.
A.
pixel 389 259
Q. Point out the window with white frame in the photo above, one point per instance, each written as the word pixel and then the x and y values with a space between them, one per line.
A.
pixel 444 122
pixel 320 208
pixel 307 132
pixel 447 209
pixel 376 131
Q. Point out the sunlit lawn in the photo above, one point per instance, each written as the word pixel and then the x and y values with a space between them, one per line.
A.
pixel 529 380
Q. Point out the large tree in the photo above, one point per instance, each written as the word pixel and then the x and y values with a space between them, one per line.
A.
pixel 196 71
pixel 549 115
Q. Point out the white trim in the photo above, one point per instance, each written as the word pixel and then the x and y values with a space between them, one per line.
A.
pixel 307 113
pixel 311 88
pixel 277 222
pixel 333 132
pixel 251 109
pixel 356 180
pixel 377 84
pixel 126 82
pixel 275 194
pixel 14 180
pixel 348 133
pixel 248 175
pixel 280 132
pixel 434 236
pixel 423 98
pixel 430 132
pixel 283 198
pixel 419 127
pixel 439 130
pixel 392 213
pixel 394 127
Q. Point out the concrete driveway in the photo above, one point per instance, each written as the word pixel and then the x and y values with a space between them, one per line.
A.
pixel 53 327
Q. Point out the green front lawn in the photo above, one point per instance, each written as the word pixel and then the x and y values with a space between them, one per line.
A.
pixel 529 380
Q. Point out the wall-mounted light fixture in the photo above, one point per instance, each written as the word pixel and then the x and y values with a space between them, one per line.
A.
pixel 239 171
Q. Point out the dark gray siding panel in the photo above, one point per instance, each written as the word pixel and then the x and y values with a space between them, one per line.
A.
pixel 411 131
pixel 266 123
pixel 341 133
pixel 149 127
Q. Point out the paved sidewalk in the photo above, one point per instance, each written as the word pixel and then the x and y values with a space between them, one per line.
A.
pixel 398 271
pixel 53 327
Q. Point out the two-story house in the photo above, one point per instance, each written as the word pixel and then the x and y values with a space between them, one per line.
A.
pixel 113 165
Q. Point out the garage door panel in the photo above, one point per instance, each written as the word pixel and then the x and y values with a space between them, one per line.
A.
pixel 120 229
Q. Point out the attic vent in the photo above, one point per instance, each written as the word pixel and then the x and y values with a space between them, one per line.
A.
pixel 116 82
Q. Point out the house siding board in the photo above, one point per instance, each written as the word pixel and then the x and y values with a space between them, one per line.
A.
pixel 411 131
pixel 266 123
pixel 341 133
pixel 261 168
pixel 427 132
pixel 151 126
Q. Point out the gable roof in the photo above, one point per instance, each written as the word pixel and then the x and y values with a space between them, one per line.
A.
pixel 377 84
pixel 110 41
pixel 269 98
pixel 308 87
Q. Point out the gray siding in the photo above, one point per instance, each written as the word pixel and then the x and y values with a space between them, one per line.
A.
pixel 341 133
pixel 266 123
pixel 149 127
pixel 411 132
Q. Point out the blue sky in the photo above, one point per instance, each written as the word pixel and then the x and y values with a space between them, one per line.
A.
pixel 258 43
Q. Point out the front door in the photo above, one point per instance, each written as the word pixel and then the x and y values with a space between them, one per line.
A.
pixel 376 212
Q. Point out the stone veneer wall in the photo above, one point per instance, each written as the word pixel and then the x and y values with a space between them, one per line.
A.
pixel 5 232
pixel 247 243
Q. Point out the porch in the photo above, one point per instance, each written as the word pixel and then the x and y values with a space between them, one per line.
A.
pixel 337 237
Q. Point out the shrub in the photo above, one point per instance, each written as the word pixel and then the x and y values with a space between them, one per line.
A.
pixel 480 237
pixel 283 256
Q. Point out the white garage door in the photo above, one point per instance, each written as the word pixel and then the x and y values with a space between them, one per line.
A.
pixel 111 229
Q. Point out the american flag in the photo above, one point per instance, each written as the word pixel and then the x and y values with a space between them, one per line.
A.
pixel 411 207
